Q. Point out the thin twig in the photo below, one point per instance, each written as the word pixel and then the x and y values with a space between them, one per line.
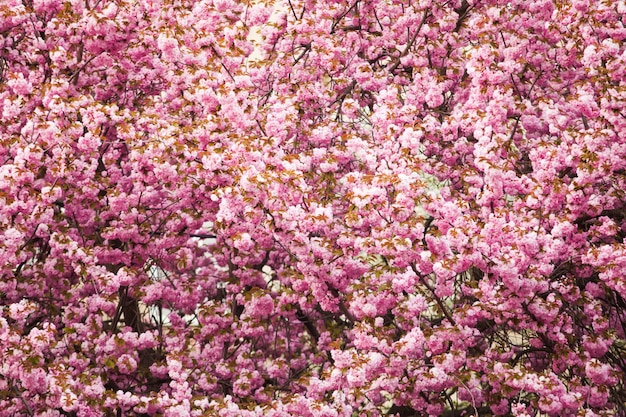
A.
pixel 410 43
pixel 29 410
pixel 443 308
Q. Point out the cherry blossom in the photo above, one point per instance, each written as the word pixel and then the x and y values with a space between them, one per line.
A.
pixel 312 208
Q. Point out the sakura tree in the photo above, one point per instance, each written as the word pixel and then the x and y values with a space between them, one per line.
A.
pixel 312 208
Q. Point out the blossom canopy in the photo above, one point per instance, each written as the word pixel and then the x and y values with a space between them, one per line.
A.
pixel 312 208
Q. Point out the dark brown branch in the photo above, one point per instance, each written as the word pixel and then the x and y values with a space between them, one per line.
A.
pixel 344 14
pixel 463 12
pixel 307 48
pixel 203 236
pixel 29 410
pixel 617 214
pixel 440 303
pixel 308 324
pixel 410 43
pixel 292 10
pixel 519 93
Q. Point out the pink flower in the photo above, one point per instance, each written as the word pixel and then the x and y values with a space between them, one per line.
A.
pixel 126 364
pixel 261 307
pixel 598 372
